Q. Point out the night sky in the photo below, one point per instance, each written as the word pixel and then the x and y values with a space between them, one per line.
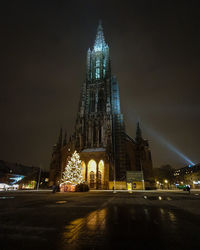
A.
pixel 155 55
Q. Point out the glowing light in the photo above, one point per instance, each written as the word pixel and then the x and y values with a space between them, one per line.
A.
pixel 100 41
pixel 169 145
pixel 196 182
pixel 129 186
pixel 72 173
pixel 166 181
pixel 17 178
pixel 92 166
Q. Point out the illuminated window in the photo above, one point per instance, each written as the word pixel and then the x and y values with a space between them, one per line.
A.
pixel 99 179
pixel 97 63
pixel 104 67
pixel 97 71
pixel 92 166
pixel 92 177
pixel 101 171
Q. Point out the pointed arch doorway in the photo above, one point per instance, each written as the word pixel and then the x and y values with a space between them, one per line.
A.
pixel 92 166
pixel 100 176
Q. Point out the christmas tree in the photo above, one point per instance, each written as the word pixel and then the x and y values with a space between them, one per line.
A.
pixel 72 173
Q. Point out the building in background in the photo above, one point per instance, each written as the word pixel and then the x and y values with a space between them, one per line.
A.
pixel 27 177
pixel 106 151
pixel 189 175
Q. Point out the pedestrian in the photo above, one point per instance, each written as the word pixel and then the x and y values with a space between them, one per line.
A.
pixel 54 188
pixel 188 189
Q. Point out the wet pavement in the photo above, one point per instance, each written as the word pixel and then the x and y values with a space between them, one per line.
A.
pixel 99 220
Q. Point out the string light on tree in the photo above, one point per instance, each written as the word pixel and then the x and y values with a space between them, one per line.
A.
pixel 72 173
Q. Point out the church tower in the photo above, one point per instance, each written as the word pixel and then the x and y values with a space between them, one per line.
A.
pixel 99 124
pixel 106 151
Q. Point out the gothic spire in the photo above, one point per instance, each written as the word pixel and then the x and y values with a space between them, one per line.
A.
pixel 100 43
pixel 59 143
pixel 138 132
pixel 65 139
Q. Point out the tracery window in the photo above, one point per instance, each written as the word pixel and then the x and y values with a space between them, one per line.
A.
pixel 97 70
pixel 104 67
pixel 92 101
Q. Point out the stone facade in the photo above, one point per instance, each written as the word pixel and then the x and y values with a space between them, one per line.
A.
pixel 99 136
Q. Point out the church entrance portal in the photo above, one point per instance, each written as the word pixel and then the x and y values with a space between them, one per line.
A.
pixel 95 174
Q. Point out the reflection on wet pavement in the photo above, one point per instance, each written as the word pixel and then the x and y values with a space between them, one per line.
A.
pixel 170 198
pixel 85 227
pixel 122 226
pixel 6 197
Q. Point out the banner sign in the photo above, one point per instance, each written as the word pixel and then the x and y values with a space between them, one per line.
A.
pixel 132 176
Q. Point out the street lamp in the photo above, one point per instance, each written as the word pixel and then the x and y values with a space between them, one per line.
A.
pixel 166 182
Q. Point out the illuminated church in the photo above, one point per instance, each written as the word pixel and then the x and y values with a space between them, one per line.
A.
pixel 106 151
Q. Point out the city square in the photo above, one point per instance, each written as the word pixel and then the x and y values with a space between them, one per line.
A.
pixel 99 125
pixel 100 219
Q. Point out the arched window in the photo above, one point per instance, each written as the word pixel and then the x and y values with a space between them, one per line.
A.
pixel 92 169
pixel 101 173
pixel 92 178
pixel 97 70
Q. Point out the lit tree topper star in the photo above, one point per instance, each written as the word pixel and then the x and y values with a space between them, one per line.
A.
pixel 72 173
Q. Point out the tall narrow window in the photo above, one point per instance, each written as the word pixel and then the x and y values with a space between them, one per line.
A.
pixel 100 105
pixel 104 67
pixel 92 101
pixel 100 136
pixel 94 135
pixel 92 179
pixel 97 71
